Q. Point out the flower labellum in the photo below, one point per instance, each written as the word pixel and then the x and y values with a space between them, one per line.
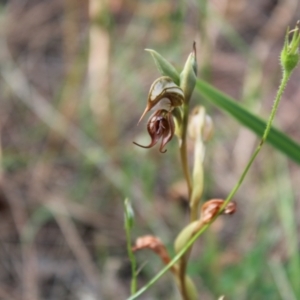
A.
pixel 160 126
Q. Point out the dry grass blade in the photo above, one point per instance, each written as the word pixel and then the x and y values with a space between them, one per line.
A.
pixel 28 275
pixel 75 243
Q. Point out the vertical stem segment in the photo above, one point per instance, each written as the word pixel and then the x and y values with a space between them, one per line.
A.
pixel 285 78
pixel 183 150
pixel 185 166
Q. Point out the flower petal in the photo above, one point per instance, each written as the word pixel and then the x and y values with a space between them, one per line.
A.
pixel 168 132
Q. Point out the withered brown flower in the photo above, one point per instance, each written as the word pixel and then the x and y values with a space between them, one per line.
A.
pixel 209 211
pixel 155 244
pixel 212 207
pixel 160 126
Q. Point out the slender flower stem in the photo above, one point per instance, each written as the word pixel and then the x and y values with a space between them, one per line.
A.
pixel 133 286
pixel 285 78
pixel 182 272
pixel 185 166
pixel 183 150
pixel 284 81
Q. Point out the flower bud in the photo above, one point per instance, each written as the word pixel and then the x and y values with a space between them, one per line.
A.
pixel 200 125
pixel 189 74
pixel 200 130
pixel 208 128
pixel 196 122
pixel 289 56
pixel 164 94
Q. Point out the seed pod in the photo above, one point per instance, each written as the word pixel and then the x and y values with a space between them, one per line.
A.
pixel 164 94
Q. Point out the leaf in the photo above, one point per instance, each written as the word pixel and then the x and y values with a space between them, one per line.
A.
pixel 164 67
pixel 276 138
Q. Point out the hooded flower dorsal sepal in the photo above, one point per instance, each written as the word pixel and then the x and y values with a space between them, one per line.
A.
pixel 164 94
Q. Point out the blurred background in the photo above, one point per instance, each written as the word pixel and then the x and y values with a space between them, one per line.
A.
pixel 74 79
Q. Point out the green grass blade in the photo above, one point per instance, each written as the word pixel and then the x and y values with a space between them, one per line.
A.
pixel 285 204
pixel 128 222
pixel 281 280
pixel 276 138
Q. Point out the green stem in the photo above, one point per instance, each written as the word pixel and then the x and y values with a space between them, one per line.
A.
pixel 182 271
pixel 133 285
pixel 183 150
pixel 280 91
pixel 185 167
pixel 285 79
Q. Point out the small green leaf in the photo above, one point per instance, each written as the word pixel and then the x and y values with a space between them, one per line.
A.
pixel 164 67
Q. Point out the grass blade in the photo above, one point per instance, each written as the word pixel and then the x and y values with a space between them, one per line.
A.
pixel 276 138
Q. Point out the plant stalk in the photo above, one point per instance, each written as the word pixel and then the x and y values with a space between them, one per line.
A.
pixel 133 285
pixel 185 167
pixel 183 150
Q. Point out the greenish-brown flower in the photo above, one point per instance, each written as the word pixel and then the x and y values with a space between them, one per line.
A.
pixel 164 94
